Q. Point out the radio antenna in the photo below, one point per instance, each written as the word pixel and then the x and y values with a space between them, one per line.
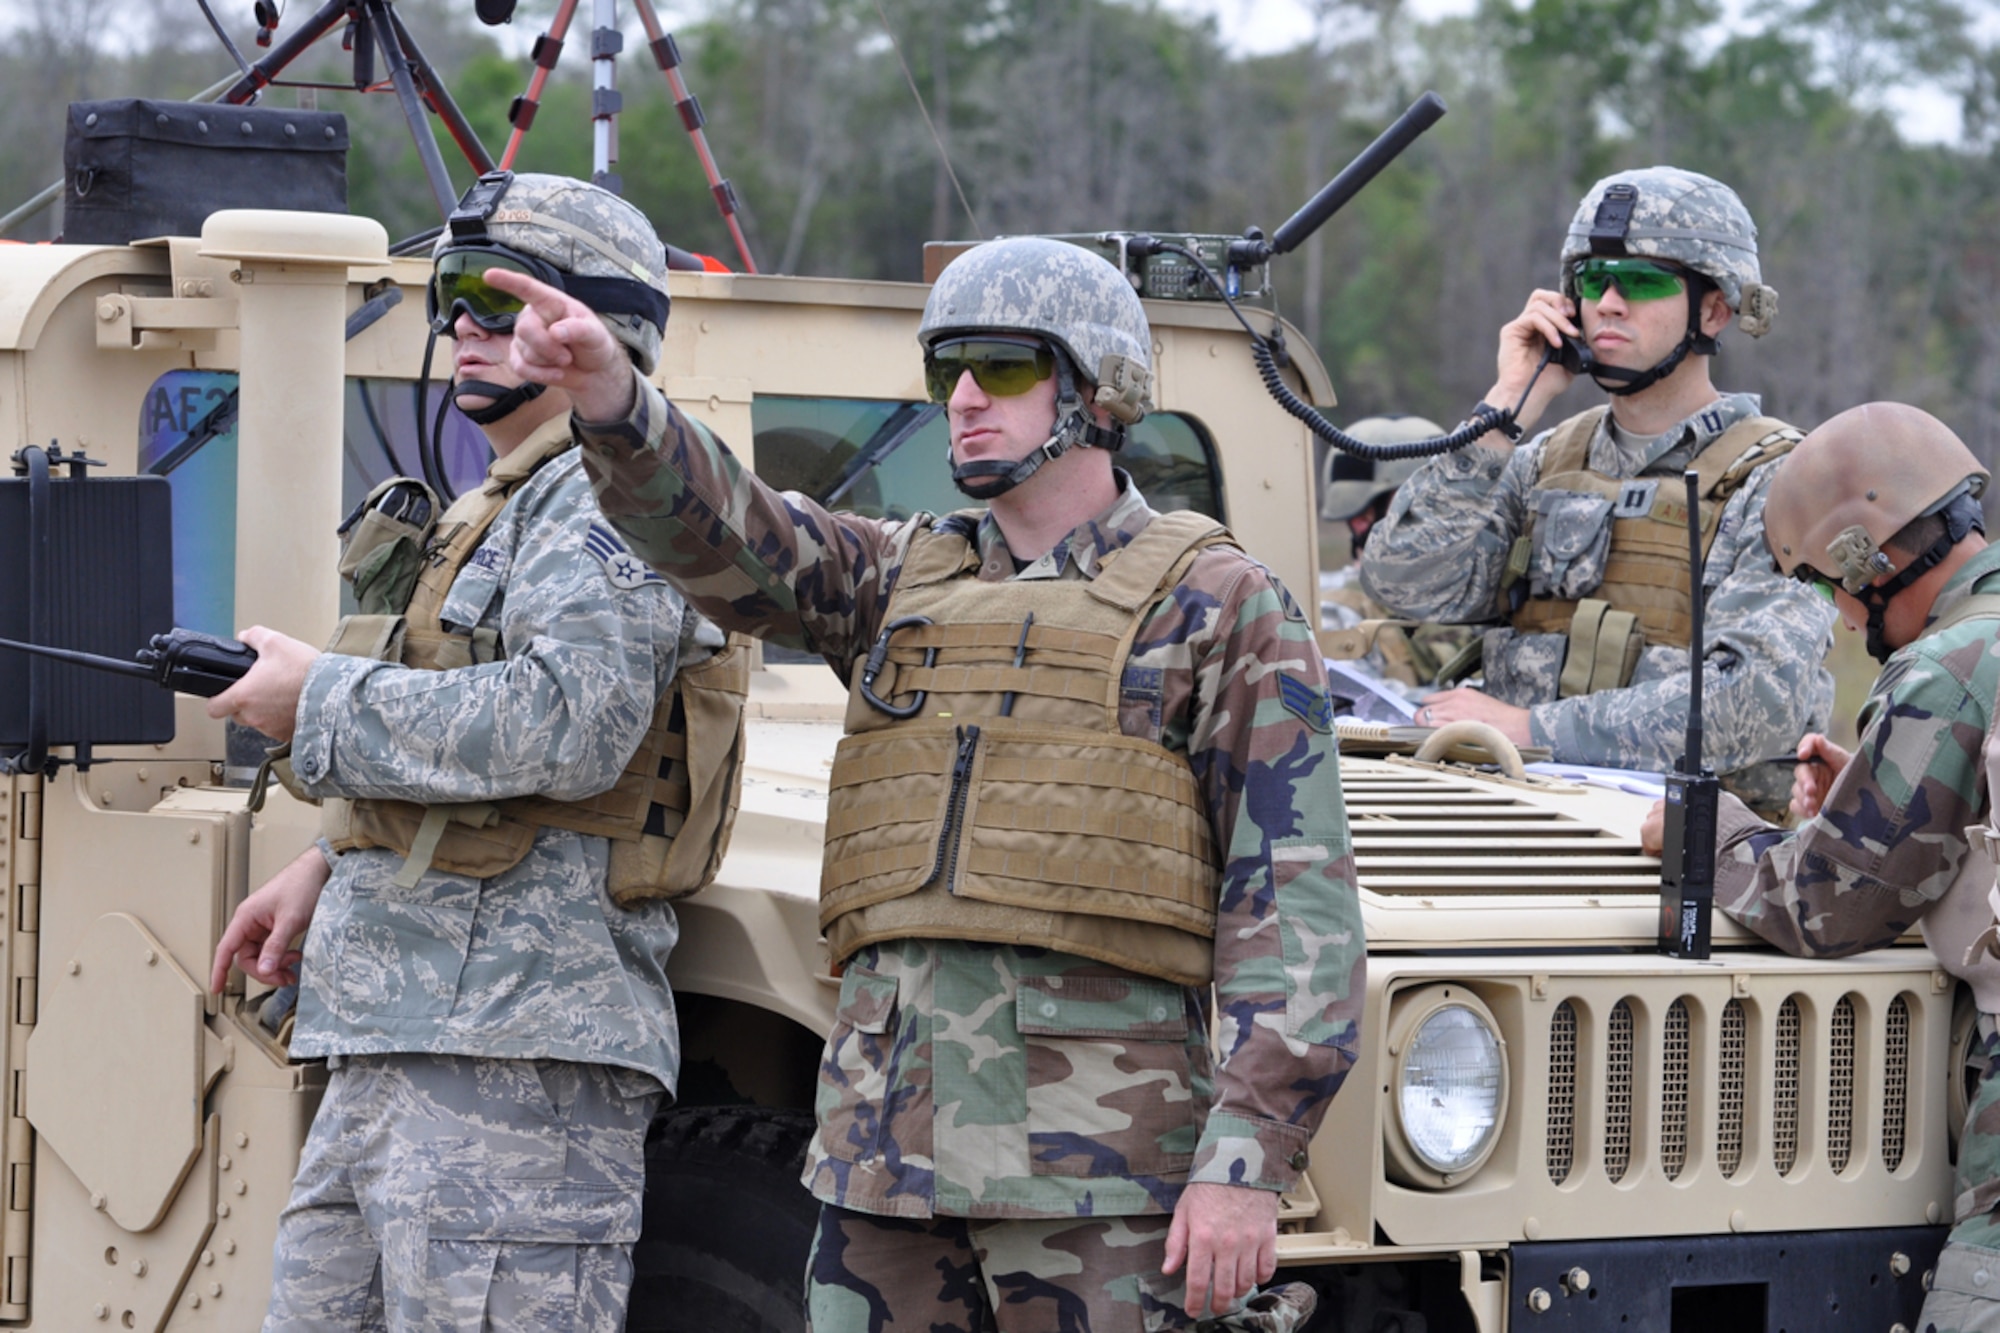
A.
pixel 1687 854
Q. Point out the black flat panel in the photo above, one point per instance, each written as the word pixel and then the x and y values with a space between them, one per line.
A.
pixel 108 583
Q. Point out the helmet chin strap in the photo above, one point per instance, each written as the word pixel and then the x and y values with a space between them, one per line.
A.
pixel 986 478
pixel 1961 516
pixel 1623 382
pixel 505 402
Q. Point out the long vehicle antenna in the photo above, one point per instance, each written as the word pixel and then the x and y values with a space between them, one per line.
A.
pixel 1687 856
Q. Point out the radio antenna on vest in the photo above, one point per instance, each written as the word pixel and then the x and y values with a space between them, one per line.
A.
pixel 1687 856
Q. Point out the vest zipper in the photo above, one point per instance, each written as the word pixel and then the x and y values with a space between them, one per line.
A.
pixel 946 864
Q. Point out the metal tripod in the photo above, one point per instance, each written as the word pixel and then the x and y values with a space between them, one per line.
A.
pixel 606 41
pixel 375 23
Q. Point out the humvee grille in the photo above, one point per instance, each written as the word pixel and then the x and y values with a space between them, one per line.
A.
pixel 1734 1055
pixel 1895 1082
pixel 1418 830
pixel 1840 1086
pixel 1785 1089
pixel 1674 1091
pixel 1562 1092
pixel 1618 1093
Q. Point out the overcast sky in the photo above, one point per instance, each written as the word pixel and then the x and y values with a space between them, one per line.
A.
pixel 1925 114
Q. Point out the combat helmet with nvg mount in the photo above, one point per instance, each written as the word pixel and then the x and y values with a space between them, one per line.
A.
pixel 567 233
pixel 1689 220
pixel 1073 301
pixel 1857 481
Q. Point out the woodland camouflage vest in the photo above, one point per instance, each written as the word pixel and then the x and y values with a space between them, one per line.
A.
pixel 669 814
pixel 1006 804
pixel 1643 596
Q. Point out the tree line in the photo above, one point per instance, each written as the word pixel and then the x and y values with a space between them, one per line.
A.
pixel 1081 115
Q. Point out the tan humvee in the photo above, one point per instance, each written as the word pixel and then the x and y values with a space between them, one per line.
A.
pixel 1771 1123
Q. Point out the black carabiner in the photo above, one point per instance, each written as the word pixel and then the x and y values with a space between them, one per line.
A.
pixel 879 654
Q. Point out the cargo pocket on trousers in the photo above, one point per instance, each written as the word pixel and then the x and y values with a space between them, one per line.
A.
pixel 510 1256
pixel 859 1067
pixel 1572 537
pixel 1110 1075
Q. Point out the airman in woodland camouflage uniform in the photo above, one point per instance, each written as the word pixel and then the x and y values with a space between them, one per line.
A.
pixel 1879 508
pixel 1577 541
pixel 498 1039
pixel 1090 767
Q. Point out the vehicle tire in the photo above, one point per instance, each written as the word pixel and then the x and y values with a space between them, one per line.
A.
pixel 727 1223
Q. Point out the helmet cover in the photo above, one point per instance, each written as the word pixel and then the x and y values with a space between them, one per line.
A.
pixel 586 230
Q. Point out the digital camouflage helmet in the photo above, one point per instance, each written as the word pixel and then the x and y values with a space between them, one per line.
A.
pixel 1078 304
pixel 568 233
pixel 1857 481
pixel 1686 219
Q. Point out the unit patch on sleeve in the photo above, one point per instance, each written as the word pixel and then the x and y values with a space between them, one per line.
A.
pixel 624 569
pixel 1308 702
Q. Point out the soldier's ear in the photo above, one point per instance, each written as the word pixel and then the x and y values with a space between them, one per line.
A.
pixel 1715 312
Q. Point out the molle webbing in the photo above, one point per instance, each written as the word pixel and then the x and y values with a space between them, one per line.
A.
pixel 1646 570
pixel 1047 826
pixel 659 795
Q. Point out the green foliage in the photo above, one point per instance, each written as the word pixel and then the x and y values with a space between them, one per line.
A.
pixel 1075 115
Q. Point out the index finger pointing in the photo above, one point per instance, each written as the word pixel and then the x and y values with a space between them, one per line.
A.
pixel 549 302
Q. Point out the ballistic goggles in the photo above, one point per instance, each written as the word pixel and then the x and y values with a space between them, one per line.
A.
pixel 1001 367
pixel 1635 279
pixel 458 286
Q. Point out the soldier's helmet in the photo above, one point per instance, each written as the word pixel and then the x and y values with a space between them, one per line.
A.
pixel 581 237
pixel 1856 482
pixel 1683 216
pixel 1350 483
pixel 1075 299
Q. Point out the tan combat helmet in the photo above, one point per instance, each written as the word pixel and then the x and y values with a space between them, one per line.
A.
pixel 1855 483
pixel 1350 483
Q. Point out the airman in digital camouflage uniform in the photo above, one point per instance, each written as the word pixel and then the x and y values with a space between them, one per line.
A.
pixel 1355 492
pixel 1879 509
pixel 1089 768
pixel 1577 541
pixel 498 1035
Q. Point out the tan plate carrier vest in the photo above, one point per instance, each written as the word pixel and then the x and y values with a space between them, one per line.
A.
pixel 1011 808
pixel 1643 597
pixel 669 814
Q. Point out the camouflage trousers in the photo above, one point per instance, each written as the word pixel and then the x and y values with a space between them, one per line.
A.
pixel 870 1274
pixel 442 1193
pixel 1965 1288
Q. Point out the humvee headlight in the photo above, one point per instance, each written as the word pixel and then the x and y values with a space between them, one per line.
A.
pixel 1449 1087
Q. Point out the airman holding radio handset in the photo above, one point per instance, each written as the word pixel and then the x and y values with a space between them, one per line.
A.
pixel 1576 542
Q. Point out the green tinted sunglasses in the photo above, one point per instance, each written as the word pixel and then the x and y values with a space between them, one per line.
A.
pixel 1815 580
pixel 1635 279
pixel 1001 368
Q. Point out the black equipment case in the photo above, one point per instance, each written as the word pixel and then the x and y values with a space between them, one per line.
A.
pixel 135 168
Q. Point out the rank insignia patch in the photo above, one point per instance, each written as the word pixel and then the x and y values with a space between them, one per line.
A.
pixel 1308 702
pixel 624 569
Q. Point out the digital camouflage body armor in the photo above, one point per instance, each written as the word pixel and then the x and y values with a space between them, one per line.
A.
pixel 1605 559
pixel 986 790
pixel 669 814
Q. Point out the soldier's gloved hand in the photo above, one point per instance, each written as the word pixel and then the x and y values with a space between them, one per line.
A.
pixel 268 921
pixel 560 341
pixel 1226 1236
pixel 267 698
pixel 1820 762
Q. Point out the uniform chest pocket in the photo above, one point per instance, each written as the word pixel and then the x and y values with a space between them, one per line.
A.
pixel 1572 538
pixel 1112 1071
pixel 472 594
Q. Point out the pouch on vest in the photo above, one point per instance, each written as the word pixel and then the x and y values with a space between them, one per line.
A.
pixel 382 544
pixel 1572 537
pixel 1604 648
